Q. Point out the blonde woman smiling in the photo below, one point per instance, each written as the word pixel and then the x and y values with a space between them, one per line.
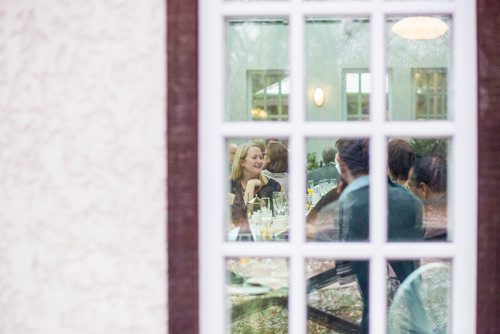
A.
pixel 248 181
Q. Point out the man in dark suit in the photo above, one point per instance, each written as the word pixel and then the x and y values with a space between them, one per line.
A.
pixel 405 213
pixel 328 170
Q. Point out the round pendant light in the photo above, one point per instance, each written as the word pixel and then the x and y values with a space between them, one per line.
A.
pixel 420 27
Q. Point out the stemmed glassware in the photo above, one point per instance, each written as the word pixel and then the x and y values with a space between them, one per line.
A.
pixel 279 203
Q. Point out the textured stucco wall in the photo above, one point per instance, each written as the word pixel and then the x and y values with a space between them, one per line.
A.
pixel 82 167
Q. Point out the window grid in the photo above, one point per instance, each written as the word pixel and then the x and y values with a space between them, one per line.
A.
pixel 268 92
pixel 213 248
pixel 356 91
pixel 430 87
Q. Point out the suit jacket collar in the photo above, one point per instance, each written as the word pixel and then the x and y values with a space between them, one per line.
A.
pixel 360 182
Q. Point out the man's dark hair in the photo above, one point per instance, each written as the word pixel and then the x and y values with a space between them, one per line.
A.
pixel 431 171
pixel 401 158
pixel 355 154
pixel 329 154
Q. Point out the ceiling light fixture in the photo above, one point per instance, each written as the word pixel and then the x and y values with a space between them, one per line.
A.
pixel 420 27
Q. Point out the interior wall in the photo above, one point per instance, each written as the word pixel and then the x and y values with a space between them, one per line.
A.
pixel 331 46
pixel 82 171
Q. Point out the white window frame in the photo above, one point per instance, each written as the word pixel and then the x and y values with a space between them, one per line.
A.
pixel 462 129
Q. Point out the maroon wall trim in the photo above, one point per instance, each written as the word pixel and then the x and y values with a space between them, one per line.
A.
pixel 182 162
pixel 488 278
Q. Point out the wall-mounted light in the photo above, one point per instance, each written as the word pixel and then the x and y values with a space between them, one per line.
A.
pixel 318 97
pixel 419 27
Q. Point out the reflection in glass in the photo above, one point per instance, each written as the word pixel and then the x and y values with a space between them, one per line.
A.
pixel 334 295
pixel 337 191
pixel 269 91
pixel 257 69
pixel 421 302
pixel 322 190
pixel 428 180
pixel 337 62
pixel 429 88
pixel 418 57
pixel 337 208
pixel 258 183
pixel 419 167
pixel 417 294
pixel 257 295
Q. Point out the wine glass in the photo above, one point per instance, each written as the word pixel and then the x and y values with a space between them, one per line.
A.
pixel 278 203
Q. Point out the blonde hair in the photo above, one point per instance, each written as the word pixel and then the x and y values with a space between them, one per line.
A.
pixel 237 170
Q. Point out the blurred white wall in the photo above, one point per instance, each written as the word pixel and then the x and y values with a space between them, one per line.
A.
pixel 82 167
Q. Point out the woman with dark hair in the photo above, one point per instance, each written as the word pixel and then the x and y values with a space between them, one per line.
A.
pixel 276 163
pixel 400 160
pixel 427 180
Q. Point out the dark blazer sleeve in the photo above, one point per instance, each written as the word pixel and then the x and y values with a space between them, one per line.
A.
pixel 354 211
pixel 405 215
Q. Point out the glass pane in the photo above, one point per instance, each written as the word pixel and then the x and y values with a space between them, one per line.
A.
pixel 258 189
pixel 418 170
pixel 257 69
pixel 337 195
pixel 418 296
pixel 337 65
pixel 334 295
pixel 257 295
pixel 419 50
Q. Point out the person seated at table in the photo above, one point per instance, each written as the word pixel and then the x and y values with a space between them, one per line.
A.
pixel 322 222
pixel 404 214
pixel 261 143
pixel 231 150
pixel 400 160
pixel 427 180
pixel 276 163
pixel 328 170
pixel 247 181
